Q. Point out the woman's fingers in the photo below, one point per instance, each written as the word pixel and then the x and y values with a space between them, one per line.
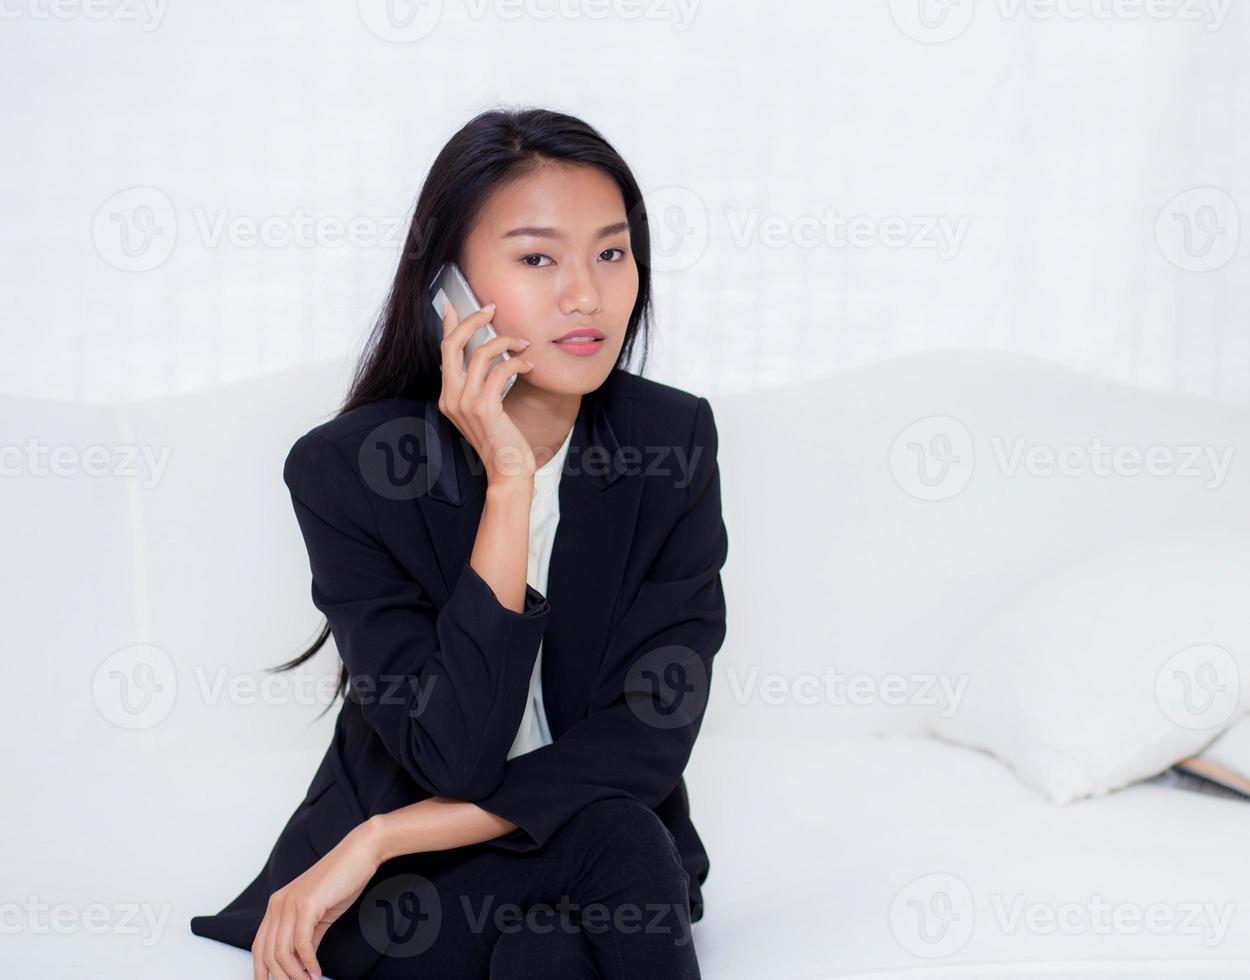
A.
pixel 451 365
pixel 480 367
pixel 260 970
pixel 456 334
pixel 284 943
pixel 470 394
pixel 500 374
pixel 455 378
pixel 306 942
pixel 271 953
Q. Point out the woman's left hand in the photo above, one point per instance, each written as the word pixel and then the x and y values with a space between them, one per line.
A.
pixel 300 913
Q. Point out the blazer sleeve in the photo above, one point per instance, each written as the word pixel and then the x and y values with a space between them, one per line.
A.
pixel 648 700
pixel 443 688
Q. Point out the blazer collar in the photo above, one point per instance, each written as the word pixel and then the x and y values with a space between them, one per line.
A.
pixel 592 430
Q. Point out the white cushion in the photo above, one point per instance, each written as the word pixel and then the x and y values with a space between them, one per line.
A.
pixel 1112 669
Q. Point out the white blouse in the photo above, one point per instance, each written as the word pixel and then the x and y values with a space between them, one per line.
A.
pixel 544 516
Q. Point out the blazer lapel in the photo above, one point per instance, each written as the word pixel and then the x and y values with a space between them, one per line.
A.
pixel 598 510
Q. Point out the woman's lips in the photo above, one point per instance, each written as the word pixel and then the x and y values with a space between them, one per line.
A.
pixel 580 345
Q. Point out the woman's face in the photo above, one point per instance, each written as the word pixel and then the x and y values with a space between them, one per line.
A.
pixel 552 250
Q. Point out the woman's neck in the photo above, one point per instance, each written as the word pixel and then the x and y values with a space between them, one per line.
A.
pixel 543 417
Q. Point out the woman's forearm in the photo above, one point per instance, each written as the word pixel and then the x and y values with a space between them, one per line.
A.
pixel 434 824
pixel 501 550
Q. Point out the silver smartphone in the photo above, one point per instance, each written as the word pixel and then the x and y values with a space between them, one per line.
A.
pixel 450 286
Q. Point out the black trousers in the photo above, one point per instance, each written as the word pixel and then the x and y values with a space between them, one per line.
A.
pixel 605 899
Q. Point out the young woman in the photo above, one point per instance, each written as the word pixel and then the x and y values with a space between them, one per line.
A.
pixel 503 796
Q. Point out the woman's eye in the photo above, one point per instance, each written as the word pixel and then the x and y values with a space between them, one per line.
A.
pixel 538 255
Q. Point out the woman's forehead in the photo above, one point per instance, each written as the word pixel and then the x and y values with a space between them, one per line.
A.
pixel 559 202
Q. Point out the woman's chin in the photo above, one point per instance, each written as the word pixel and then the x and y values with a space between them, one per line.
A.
pixel 563 379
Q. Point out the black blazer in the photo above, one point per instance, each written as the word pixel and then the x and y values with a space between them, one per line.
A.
pixel 388 497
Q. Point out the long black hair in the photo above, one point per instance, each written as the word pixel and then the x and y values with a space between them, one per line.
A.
pixel 402 355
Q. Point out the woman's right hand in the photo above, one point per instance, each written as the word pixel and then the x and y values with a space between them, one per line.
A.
pixel 473 398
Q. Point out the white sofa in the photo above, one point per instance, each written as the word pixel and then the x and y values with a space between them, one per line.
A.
pixel 832 828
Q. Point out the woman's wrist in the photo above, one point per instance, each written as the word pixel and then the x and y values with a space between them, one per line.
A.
pixel 433 824
pixel 376 837
pixel 519 486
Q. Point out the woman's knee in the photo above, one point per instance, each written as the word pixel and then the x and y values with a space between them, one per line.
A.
pixel 625 837
pixel 552 952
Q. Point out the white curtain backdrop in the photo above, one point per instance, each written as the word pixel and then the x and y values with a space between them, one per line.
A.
pixel 966 286
pixel 832 184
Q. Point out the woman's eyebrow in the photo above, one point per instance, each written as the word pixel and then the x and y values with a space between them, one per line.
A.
pixel 530 231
